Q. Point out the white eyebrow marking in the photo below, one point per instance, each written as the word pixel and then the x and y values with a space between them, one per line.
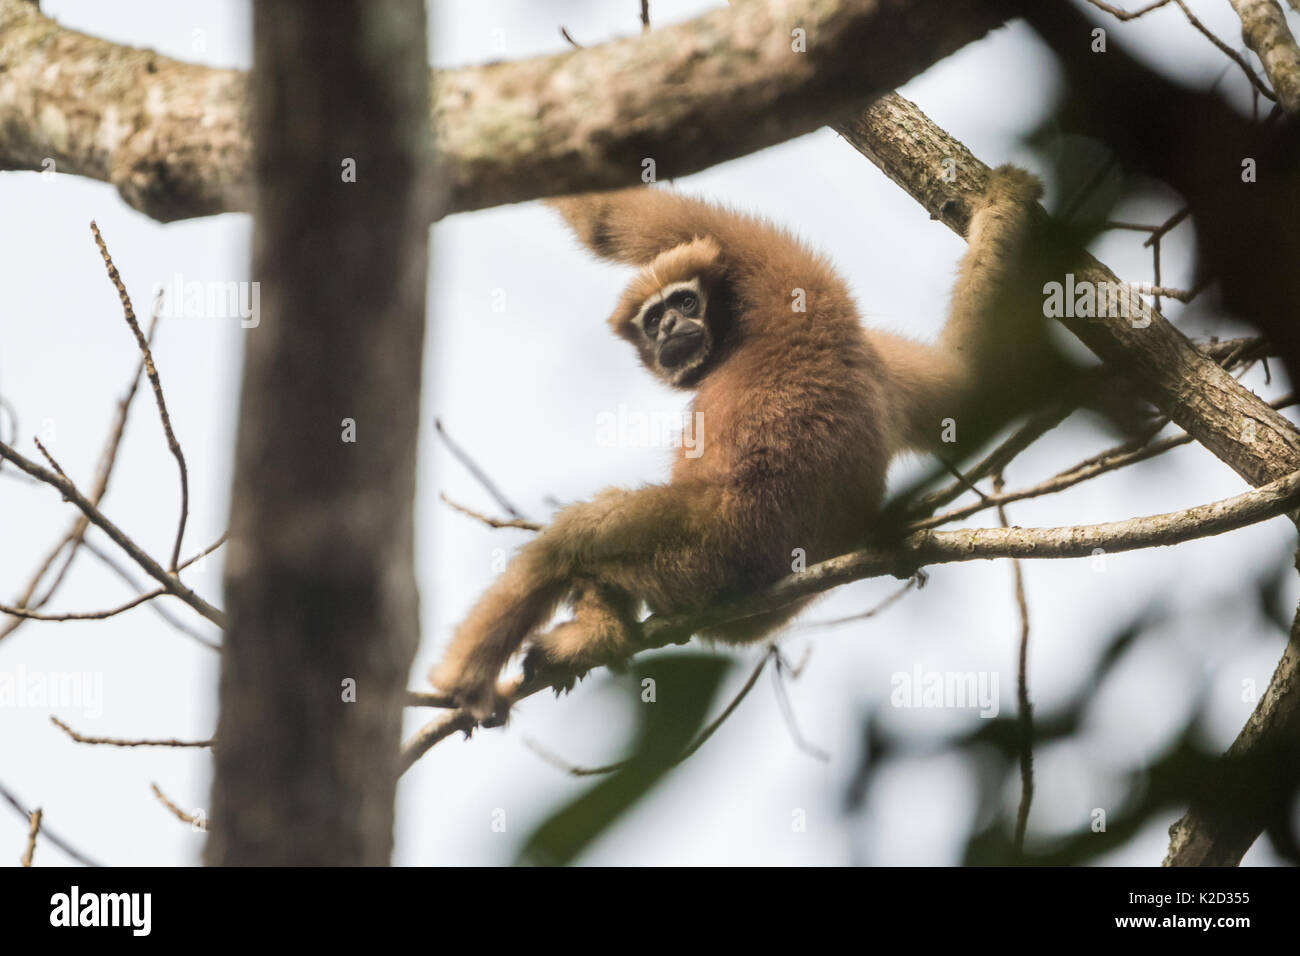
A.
pixel 692 285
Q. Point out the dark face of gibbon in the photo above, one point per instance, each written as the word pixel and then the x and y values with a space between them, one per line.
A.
pixel 678 332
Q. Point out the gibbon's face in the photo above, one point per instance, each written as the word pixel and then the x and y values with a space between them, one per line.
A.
pixel 676 337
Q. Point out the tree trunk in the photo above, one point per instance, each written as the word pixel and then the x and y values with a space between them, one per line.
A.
pixel 319 585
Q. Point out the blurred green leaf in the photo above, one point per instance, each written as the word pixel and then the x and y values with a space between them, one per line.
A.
pixel 685 686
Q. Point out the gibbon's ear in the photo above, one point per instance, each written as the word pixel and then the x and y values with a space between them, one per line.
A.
pixel 699 259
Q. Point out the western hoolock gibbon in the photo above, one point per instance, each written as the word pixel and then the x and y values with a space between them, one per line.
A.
pixel 801 413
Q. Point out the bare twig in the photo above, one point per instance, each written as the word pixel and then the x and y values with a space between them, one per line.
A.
pixel 1121 456
pixel 76 534
pixel 169 581
pixel 31 837
pixel 1025 710
pixel 172 444
pixel 787 709
pixel 917 581
pixel 479 475
pixel 84 615
pixel 190 818
pixel 574 770
pixel 490 521
pixel 1227 51
pixel 47 834
pixel 123 742
pixel 155 606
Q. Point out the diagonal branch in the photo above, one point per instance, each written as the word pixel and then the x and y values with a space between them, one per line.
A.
pixel 169 581
pixel 1263 27
pixel 1181 381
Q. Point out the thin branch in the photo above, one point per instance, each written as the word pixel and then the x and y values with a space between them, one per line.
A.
pixel 124 742
pixel 76 534
pixel 917 581
pixel 574 770
pixel 490 521
pixel 155 606
pixel 1228 51
pixel 172 444
pixel 84 615
pixel 1024 707
pixel 917 550
pixel 1123 15
pixel 190 818
pixel 479 474
pixel 31 837
pixel 787 711
pixel 1121 456
pixel 49 835
pixel 171 582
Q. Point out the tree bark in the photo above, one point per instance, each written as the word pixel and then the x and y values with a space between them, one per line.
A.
pixel 320 589
pixel 171 136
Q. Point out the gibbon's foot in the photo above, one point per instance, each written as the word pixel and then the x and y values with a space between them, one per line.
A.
pixel 472 693
pixel 549 653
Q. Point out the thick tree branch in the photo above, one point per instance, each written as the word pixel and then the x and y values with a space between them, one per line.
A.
pixel 172 136
pixel 1263 27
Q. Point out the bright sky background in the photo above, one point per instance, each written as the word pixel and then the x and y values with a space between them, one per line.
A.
pixel 521 389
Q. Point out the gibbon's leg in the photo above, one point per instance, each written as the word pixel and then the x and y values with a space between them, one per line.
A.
pixel 616 530
pixel 989 324
pixel 604 621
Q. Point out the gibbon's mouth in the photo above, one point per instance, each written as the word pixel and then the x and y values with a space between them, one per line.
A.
pixel 681 347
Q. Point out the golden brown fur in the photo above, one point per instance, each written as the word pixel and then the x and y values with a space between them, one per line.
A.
pixel 801 414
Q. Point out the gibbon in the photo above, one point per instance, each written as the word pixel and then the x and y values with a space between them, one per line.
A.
pixel 801 413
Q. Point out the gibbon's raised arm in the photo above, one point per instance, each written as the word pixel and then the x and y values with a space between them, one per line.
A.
pixel 801 411
pixel 989 331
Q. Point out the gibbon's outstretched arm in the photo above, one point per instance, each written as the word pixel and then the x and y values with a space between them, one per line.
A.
pixel 801 407
pixel 989 330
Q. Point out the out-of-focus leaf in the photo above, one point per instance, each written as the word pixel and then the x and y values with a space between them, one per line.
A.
pixel 685 687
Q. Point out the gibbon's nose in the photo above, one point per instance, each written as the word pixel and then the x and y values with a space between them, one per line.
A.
pixel 668 322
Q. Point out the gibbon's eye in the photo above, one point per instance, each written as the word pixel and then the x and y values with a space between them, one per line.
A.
pixel 688 304
pixel 652 325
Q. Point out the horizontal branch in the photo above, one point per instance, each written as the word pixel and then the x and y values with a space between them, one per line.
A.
pixel 920 549
pixel 172 136
pixel 127 742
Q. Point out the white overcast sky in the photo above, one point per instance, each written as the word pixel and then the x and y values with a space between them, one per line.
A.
pixel 521 389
